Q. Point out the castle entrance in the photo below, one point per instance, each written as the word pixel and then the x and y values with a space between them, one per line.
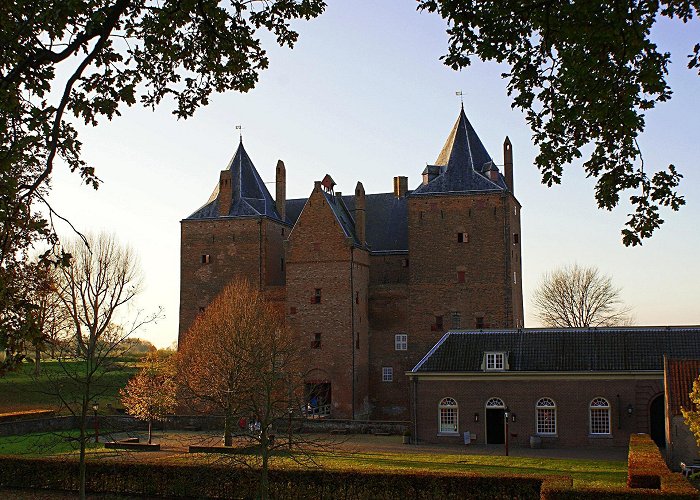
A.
pixel 318 399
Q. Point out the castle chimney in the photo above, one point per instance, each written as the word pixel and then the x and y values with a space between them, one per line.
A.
pixel 225 193
pixel 281 189
pixel 317 186
pixel 508 163
pixel 360 212
pixel 400 186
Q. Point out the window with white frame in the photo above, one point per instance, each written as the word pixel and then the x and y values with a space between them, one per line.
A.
pixel 546 416
pixel 387 374
pixel 600 416
pixel 401 342
pixel 495 361
pixel 448 413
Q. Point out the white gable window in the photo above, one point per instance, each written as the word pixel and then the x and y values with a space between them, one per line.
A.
pixel 600 416
pixel 401 342
pixel 448 415
pixel 495 361
pixel 387 374
pixel 546 417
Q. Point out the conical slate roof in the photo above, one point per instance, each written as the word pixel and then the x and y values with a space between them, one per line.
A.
pixel 249 195
pixel 460 164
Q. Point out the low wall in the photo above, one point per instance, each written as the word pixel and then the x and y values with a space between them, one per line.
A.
pixel 123 423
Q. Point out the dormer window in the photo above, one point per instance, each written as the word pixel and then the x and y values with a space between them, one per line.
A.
pixel 494 361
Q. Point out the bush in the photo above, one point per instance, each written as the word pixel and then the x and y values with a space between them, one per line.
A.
pixel 220 481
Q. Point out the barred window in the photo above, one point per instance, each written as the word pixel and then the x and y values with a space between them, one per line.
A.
pixel 546 416
pixel 448 413
pixel 387 374
pixel 600 416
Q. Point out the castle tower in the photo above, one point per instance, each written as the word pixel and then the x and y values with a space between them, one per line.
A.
pixel 238 232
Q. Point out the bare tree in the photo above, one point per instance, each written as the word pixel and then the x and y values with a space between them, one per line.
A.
pixel 100 281
pixel 239 360
pixel 579 297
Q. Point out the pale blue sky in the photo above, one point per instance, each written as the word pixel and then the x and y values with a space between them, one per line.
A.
pixel 363 96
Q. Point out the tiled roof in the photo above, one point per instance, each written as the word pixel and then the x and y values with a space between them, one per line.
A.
pixel 461 163
pixel 562 350
pixel 342 215
pixel 250 196
pixel 680 375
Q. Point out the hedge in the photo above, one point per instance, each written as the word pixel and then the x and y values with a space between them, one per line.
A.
pixel 220 481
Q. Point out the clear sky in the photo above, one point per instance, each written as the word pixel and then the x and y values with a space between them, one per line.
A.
pixel 364 96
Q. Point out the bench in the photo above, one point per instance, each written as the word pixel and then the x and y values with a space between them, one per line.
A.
pixel 688 470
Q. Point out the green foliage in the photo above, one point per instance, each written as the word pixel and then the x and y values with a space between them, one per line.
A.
pixel 584 73
pixel 62 63
pixel 692 415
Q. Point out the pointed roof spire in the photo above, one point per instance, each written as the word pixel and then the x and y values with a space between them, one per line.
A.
pixel 249 195
pixel 460 163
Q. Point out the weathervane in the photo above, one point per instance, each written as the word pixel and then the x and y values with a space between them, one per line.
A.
pixel 461 97
pixel 240 132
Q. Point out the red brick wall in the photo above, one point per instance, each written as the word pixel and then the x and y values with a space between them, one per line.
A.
pixel 320 256
pixel 571 395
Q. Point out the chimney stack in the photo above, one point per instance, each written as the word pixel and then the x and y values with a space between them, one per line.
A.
pixel 225 192
pixel 281 189
pixel 508 163
pixel 360 213
pixel 400 186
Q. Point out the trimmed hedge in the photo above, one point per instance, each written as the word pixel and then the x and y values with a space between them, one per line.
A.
pixel 220 481
pixel 24 415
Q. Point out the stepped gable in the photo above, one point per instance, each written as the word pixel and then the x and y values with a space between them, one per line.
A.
pixel 460 166
pixel 249 197
pixel 564 350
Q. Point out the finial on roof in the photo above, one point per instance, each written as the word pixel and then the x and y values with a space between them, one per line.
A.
pixel 461 97
pixel 240 132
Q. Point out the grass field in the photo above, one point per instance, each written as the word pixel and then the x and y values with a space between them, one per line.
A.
pixel 585 472
pixel 22 391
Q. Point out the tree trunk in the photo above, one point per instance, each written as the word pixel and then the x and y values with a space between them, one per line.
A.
pixel 83 440
pixel 264 480
pixel 37 362
pixel 228 438
pixel 150 430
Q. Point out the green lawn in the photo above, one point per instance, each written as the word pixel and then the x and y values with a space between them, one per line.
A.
pixel 22 391
pixel 45 444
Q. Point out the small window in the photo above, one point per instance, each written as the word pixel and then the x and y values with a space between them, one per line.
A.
pixel 357 342
pixel 516 238
pixel 404 262
pixel 448 415
pixel 316 299
pixel 480 322
pixel 401 342
pixel 456 320
pixel 515 277
pixel 460 276
pixel 282 264
pixel 202 309
pixel 316 342
pixel 495 361
pixel 546 416
pixel 357 297
pixel 437 326
pixel 600 416
pixel 387 374
pixel 206 258
pixel 462 238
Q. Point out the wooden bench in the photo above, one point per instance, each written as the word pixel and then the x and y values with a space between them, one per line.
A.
pixel 688 470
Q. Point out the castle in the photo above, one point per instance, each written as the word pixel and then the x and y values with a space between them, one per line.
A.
pixel 369 283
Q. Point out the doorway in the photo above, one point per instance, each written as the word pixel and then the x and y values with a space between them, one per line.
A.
pixel 657 421
pixel 495 426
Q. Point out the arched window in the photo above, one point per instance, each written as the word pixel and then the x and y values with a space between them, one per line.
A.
pixel 448 414
pixel 600 416
pixel 495 403
pixel 546 416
